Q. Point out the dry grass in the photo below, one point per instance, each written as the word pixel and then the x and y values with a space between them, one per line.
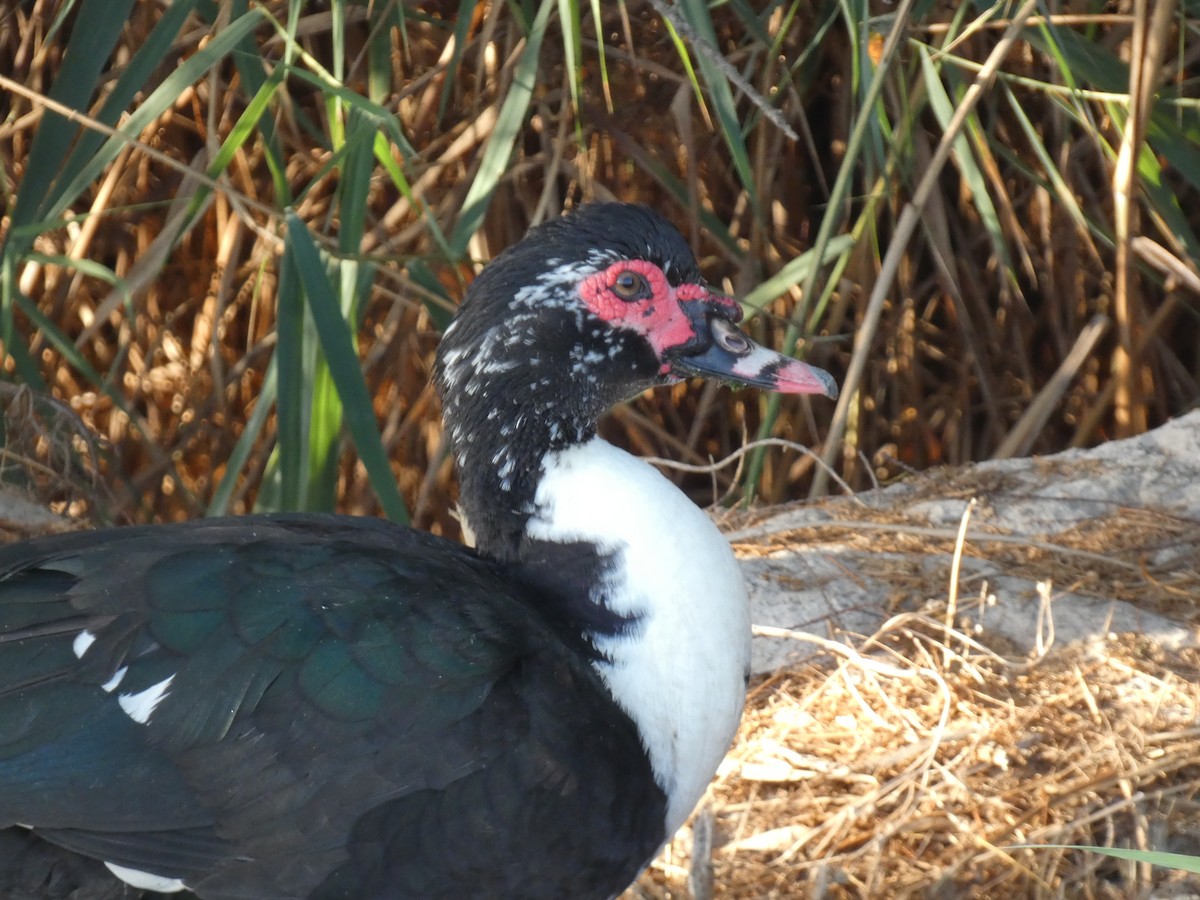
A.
pixel 48 465
pixel 922 769
pixel 973 329
pixel 923 760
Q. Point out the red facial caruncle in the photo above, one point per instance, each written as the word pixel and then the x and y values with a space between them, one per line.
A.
pixel 636 294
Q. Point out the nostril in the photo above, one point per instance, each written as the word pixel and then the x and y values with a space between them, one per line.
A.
pixel 729 338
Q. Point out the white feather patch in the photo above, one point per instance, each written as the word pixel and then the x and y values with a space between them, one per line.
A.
pixel 118 676
pixel 681 673
pixel 145 881
pixel 141 706
pixel 82 641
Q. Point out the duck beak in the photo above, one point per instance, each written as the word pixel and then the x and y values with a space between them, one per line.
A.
pixel 725 352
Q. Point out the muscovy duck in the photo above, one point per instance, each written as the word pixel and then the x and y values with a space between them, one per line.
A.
pixel 318 706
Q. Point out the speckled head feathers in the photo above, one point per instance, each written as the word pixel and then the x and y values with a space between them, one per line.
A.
pixel 585 311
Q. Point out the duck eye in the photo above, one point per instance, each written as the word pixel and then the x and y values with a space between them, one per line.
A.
pixel 630 285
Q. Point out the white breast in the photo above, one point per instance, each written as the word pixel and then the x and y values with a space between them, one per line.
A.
pixel 681 675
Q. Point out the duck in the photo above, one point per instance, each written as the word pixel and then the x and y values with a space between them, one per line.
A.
pixel 321 706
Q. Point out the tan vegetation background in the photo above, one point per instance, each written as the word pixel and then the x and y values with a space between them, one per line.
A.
pixel 1042 293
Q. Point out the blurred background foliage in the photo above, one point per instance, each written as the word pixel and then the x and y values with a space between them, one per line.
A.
pixel 232 232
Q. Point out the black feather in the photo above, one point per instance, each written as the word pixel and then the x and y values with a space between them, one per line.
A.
pixel 324 681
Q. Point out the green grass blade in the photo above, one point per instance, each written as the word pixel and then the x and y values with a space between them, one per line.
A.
pixel 379 50
pixel 162 98
pixel 337 343
pixel 943 108
pixel 1058 184
pixel 283 486
pixel 383 156
pixel 354 186
pixel 753 22
pixel 334 105
pixel 88 267
pixel 1164 201
pixel 794 272
pixel 865 128
pixel 568 20
pixel 697 14
pixel 98 26
pixel 1080 60
pixel 689 70
pixel 326 417
pixel 462 27
pixel 499 149
pixel 602 56
pixel 384 120
pixel 1181 861
pixel 263 404
pixel 1179 143
pixel 249 123
pixel 355 160
pixel 135 78
pixel 252 80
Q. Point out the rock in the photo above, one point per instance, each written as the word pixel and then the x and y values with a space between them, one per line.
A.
pixel 1059 549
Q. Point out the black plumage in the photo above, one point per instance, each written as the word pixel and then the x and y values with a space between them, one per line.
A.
pixel 325 663
pixel 313 706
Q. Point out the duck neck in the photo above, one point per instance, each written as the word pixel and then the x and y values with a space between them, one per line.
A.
pixel 634 571
pixel 501 460
pixel 516 393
